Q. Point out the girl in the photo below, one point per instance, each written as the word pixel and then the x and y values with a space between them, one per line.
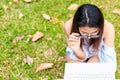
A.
pixel 90 38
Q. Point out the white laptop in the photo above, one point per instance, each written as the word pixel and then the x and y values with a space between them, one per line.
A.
pixel 89 71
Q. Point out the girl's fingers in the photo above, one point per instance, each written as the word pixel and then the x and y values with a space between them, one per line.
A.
pixel 75 34
pixel 73 37
pixel 73 43
pixel 72 40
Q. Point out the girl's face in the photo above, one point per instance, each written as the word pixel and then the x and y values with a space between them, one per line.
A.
pixel 89 32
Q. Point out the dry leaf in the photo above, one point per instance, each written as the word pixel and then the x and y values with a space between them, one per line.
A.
pixel 28 1
pixel 20 37
pixel 37 35
pixel 48 52
pixel 117 11
pixel 44 66
pixel 21 15
pixel 17 39
pixel 45 16
pixel 16 1
pixel 5 7
pixel 73 7
pixel 28 60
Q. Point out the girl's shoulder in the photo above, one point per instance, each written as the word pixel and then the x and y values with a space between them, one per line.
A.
pixel 108 34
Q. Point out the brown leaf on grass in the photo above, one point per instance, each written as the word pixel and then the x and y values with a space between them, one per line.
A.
pixel 44 66
pixel 28 60
pixel 5 7
pixel 28 1
pixel 21 15
pixel 116 11
pixel 46 16
pixel 17 39
pixel 73 7
pixel 48 52
pixel 37 36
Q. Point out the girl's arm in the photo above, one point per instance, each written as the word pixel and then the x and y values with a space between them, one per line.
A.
pixel 68 26
pixel 109 34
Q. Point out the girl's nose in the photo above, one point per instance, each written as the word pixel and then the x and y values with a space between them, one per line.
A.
pixel 89 36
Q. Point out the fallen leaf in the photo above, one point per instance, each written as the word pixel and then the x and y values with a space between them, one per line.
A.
pixel 45 16
pixel 5 7
pixel 28 60
pixel 117 11
pixel 73 7
pixel 28 1
pixel 37 35
pixel 21 15
pixel 44 66
pixel 16 1
pixel 20 37
pixel 17 39
pixel 48 52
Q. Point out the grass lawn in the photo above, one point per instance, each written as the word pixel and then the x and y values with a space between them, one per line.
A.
pixel 12 65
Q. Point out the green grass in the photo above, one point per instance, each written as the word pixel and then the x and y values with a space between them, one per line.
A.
pixel 12 66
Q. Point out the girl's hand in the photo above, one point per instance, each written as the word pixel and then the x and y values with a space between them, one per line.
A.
pixel 74 41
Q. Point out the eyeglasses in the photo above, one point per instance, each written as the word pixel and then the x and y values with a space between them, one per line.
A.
pixel 91 36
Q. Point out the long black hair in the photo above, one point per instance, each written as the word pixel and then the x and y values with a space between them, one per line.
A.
pixel 91 16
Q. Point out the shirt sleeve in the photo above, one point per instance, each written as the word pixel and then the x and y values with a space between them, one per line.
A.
pixel 107 55
pixel 69 52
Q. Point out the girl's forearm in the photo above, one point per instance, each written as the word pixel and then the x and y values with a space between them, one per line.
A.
pixel 80 54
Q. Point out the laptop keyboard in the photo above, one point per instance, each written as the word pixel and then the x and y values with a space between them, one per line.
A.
pixel 89 71
pixel 86 76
